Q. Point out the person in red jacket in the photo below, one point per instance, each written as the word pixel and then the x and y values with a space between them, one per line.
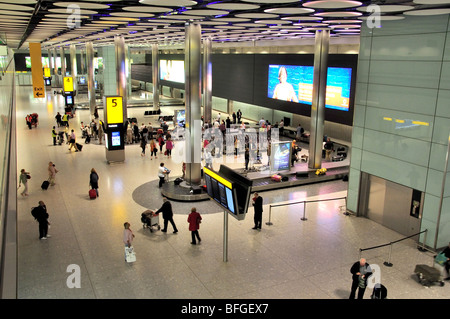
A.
pixel 194 220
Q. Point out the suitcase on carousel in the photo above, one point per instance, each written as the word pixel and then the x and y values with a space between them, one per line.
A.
pixel 92 194
pixel 276 178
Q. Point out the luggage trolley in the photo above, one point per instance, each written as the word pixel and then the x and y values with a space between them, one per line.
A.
pixel 149 220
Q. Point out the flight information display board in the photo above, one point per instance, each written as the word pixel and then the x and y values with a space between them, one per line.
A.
pixel 221 191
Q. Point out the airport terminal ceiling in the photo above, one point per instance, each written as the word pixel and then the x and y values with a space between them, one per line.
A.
pixel 145 22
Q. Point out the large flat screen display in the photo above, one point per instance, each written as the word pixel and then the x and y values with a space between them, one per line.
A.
pixel 294 83
pixel 221 191
pixel 281 156
pixel 171 70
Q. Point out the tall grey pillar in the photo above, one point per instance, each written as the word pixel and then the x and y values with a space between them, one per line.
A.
pixel 73 64
pixel 192 68
pixel 50 61
pixel 207 81
pixel 155 76
pixel 55 68
pixel 90 76
pixel 318 98
pixel 121 71
pixel 82 62
pixel 63 63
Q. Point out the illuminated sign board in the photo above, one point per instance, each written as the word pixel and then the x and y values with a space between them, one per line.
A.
pixel 114 110
pixel 68 84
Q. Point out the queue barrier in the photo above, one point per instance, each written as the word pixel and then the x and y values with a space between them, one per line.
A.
pixel 388 262
pixel 304 202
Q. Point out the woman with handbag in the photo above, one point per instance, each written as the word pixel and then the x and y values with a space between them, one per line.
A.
pixel 153 149
pixel 23 179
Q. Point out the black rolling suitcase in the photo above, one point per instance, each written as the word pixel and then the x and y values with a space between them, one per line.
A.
pixel 45 185
pixel 428 275
pixel 79 146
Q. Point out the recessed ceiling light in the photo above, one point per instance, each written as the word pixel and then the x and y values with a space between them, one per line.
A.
pixel 289 10
pixel 332 4
pixel 82 5
pixel 205 12
pixel 148 9
pixel 170 3
pixel 427 12
pixel 339 14
pixel 233 6
pixel 257 15
pixel 388 8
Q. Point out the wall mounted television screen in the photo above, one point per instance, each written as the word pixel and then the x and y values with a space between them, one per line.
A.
pixel 294 83
pixel 171 70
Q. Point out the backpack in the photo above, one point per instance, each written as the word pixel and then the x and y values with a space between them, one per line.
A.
pixel 35 212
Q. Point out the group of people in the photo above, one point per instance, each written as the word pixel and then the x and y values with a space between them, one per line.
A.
pixel 194 220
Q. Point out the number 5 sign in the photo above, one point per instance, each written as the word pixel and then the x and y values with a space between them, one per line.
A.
pixel 114 110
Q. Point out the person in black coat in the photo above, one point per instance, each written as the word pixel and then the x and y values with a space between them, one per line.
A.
pixel 41 215
pixel 257 203
pixel 360 271
pixel 166 210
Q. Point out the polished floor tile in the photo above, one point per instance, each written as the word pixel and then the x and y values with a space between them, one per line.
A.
pixel 290 259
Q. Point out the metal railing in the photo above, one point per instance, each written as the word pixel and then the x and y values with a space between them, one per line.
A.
pixel 388 262
pixel 304 202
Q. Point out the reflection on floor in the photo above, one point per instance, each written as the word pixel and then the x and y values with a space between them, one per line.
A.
pixel 291 259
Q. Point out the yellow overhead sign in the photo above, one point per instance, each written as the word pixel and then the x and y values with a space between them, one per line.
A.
pixel 47 73
pixel 68 84
pixel 37 74
pixel 114 110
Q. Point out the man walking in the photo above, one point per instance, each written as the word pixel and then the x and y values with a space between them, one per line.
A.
pixel 166 210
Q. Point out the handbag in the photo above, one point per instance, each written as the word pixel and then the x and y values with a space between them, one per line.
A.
pixel 28 176
pixel 130 255
pixel 440 259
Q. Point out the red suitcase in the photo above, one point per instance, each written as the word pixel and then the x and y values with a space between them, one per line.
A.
pixel 92 194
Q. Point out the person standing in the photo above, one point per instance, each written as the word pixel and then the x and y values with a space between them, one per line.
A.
pixel 257 202
pixel 153 148
pixel 162 172
pixel 128 235
pixel 169 147
pixel 166 210
pixel 194 219
pixel 54 135
pixel 360 271
pixel 52 173
pixel 100 131
pixel 239 115
pixel 93 180
pixel 41 215
pixel 247 158
pixel 234 117
pixel 65 120
pixel 23 179
pixel 329 147
pixel 446 253
pixel 58 119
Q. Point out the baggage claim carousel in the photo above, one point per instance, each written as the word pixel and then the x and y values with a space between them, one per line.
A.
pixel 296 177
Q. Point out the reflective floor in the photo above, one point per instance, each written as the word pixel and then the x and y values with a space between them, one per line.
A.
pixel 291 259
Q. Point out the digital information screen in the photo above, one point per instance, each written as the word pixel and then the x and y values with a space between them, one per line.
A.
pixel 69 100
pixel 221 190
pixel 294 83
pixel 171 70
pixel 115 138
